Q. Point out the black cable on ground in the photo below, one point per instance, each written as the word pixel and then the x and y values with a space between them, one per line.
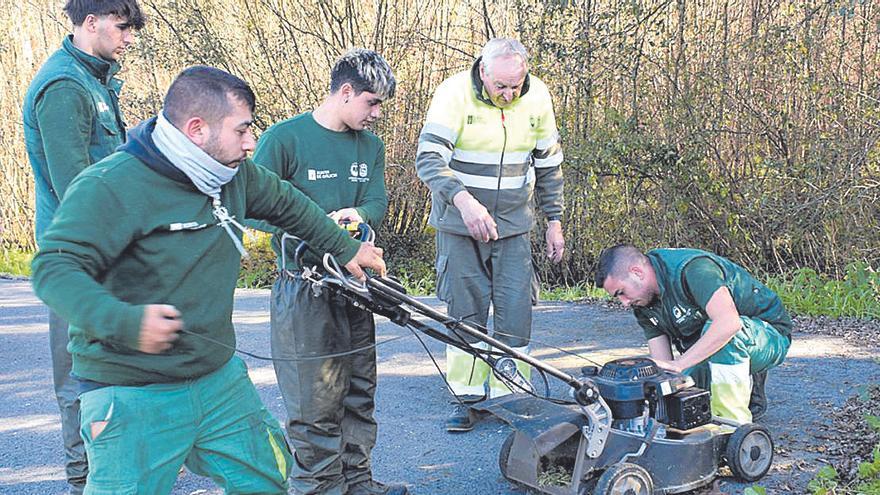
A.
pixel 297 359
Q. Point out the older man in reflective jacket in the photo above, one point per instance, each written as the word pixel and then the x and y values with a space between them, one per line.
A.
pixel 488 144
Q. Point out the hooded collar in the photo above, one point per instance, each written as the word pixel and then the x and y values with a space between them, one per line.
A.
pixel 103 70
pixel 140 144
pixel 480 92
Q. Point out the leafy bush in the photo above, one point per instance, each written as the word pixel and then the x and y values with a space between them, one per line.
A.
pixel 258 270
pixel 806 292
pixel 15 263
pixel 866 482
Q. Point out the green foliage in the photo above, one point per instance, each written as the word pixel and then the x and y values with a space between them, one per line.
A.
pixel 554 475
pixel 806 292
pixel 16 263
pixel 867 482
pixel 258 270
pixel 825 481
pixel 871 470
pixel 571 293
pixel 416 276
pixel 755 490
pixel 869 475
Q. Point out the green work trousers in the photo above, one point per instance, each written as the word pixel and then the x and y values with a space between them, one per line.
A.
pixel 756 347
pixel 138 437
pixel 329 401
pixel 471 277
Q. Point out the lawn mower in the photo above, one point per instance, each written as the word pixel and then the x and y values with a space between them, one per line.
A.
pixel 629 428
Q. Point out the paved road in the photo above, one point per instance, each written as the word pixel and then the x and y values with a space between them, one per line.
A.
pixel 412 402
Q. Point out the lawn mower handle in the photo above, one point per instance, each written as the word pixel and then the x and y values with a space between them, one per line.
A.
pixel 586 392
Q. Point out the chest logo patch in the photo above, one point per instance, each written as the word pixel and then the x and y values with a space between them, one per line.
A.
pixel 321 174
pixel 359 172
pixel 103 107
pixel 681 314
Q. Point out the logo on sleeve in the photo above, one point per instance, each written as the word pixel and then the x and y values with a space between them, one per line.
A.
pixel 359 172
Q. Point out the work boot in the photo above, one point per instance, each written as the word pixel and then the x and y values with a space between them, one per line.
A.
pixel 758 399
pixel 373 487
pixel 463 418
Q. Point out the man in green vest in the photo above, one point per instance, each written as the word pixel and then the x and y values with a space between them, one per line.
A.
pixel 143 258
pixel 728 327
pixel 72 120
pixel 489 143
pixel 329 155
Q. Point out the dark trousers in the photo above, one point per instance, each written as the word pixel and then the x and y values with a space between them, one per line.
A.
pixel 66 392
pixel 329 401
pixel 473 275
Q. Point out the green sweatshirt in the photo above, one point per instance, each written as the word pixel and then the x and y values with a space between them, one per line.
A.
pixel 335 169
pixel 126 236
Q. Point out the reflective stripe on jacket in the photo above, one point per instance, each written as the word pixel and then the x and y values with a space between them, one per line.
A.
pixel 498 155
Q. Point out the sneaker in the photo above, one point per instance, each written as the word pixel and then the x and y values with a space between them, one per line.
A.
pixel 373 487
pixel 758 399
pixel 463 418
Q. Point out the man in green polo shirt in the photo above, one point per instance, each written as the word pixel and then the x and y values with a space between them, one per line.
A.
pixel 728 327
pixel 330 156
pixel 72 120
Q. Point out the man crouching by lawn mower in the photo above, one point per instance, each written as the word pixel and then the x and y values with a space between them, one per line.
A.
pixel 728 327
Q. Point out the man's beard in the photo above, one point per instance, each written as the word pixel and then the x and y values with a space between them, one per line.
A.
pixel 213 149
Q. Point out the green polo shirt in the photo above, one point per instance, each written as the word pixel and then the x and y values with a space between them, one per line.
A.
pixel 336 169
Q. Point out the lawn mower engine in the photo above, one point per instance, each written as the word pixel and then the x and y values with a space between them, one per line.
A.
pixel 637 391
pixel 651 432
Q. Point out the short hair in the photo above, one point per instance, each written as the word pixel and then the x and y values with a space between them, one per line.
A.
pixel 615 261
pixel 202 91
pixel 365 70
pixel 503 47
pixel 130 10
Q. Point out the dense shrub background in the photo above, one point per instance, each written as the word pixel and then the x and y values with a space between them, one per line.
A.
pixel 748 127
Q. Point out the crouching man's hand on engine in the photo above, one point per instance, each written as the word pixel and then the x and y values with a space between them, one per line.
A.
pixel 476 217
pixel 672 366
pixel 368 256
